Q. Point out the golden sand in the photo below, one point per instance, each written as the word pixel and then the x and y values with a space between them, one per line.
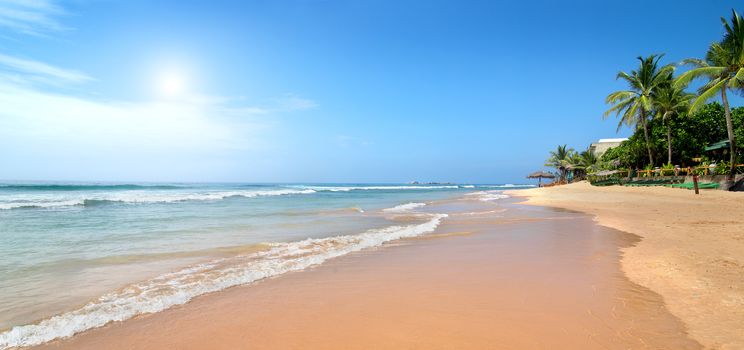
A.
pixel 692 251
pixel 543 279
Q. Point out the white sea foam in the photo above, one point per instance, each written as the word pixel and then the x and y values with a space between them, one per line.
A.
pixel 488 212
pixel 507 186
pixel 487 196
pixel 370 188
pixel 404 207
pixel 179 287
pixel 51 203
pixel 197 196
pixel 492 197
pixel 52 200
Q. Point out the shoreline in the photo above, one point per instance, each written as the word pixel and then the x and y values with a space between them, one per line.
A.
pixel 690 250
pixel 492 275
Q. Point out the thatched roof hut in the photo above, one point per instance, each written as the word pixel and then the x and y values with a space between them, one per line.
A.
pixel 539 175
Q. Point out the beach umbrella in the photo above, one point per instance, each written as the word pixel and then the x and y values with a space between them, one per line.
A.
pixel 539 175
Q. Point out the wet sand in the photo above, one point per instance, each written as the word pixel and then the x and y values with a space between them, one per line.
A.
pixel 523 278
pixel 691 252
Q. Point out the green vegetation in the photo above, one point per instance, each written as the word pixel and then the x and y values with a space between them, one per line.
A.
pixel 634 105
pixel 670 123
pixel 723 67
pixel 669 102
pixel 690 134
pixel 566 161
pixel 561 160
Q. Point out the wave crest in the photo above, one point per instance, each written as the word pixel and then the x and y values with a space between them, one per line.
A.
pixel 507 186
pixel 404 207
pixel 180 287
pixel 487 196
pixel 140 197
pixel 375 188
pixel 85 187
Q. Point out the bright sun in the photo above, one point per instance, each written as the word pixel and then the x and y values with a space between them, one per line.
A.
pixel 171 84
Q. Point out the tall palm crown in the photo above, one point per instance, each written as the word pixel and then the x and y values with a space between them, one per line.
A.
pixel 583 163
pixel 670 101
pixel 724 68
pixel 588 161
pixel 634 105
pixel 561 160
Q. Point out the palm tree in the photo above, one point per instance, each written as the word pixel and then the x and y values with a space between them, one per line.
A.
pixel 574 165
pixel 588 161
pixel 634 105
pixel 582 163
pixel 724 68
pixel 670 101
pixel 561 160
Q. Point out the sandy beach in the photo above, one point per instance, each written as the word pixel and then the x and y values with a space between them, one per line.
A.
pixel 495 275
pixel 690 252
pixel 240 175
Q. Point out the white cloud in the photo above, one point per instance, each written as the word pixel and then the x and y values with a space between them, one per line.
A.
pixel 291 102
pixel 28 69
pixel 34 17
pixel 52 134
pixel 286 103
pixel 47 135
pixel 156 126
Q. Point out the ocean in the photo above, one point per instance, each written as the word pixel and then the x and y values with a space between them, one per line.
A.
pixel 75 256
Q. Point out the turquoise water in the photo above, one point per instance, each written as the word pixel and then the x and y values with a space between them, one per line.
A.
pixel 92 253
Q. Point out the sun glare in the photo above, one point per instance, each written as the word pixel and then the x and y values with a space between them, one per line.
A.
pixel 171 84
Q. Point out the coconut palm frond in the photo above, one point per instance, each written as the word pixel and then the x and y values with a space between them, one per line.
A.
pixel 707 95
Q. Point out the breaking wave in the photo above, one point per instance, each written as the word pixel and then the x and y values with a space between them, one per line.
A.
pixel 487 196
pixel 136 197
pixel 404 207
pixel 376 188
pixel 86 187
pixel 179 287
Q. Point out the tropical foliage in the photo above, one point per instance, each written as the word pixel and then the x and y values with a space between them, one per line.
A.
pixel 691 134
pixel 723 68
pixel 670 123
pixel 669 102
pixel 560 159
pixel 567 161
pixel 634 105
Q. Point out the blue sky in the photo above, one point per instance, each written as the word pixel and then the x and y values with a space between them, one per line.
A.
pixel 321 91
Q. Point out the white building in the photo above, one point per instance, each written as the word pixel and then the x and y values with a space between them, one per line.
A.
pixel 601 146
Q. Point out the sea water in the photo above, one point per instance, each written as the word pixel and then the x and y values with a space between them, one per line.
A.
pixel 75 256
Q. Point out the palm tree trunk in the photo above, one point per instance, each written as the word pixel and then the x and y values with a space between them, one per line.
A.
pixel 645 133
pixel 669 143
pixel 730 130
